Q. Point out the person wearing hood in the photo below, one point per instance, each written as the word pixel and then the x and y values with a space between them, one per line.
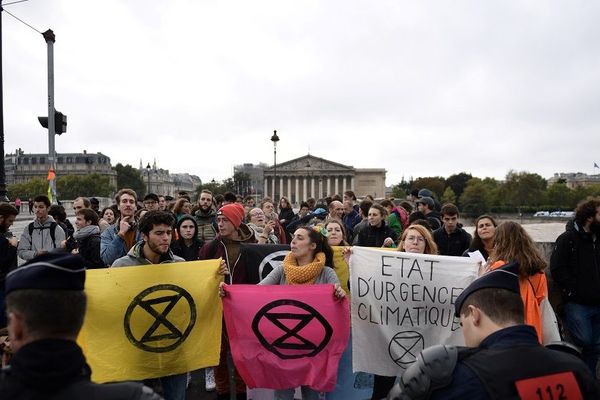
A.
pixel 227 245
pixel 451 238
pixel 86 239
pixel 397 218
pixel 187 246
pixel 575 268
pixel 156 229
pixel 43 234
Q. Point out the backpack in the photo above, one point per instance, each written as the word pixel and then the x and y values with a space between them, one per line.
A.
pixel 52 228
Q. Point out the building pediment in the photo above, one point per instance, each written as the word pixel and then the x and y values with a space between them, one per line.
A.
pixel 310 163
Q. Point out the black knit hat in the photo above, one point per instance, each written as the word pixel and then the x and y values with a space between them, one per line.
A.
pixel 50 271
pixel 505 277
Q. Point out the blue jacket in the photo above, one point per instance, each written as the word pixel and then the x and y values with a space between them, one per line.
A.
pixel 111 244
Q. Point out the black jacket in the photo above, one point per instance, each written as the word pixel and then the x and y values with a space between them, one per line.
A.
pixel 89 249
pixel 453 244
pixel 55 369
pixel 8 257
pixel 371 236
pixel 575 265
pixel 505 357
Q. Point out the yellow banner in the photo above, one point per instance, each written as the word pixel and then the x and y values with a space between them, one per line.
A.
pixel 341 268
pixel 152 320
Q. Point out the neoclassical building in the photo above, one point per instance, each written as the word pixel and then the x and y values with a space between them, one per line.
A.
pixel 311 176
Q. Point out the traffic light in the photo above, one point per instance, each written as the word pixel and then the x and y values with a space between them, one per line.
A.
pixel 60 122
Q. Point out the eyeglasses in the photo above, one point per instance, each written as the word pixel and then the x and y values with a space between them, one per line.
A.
pixel 417 239
pixel 257 214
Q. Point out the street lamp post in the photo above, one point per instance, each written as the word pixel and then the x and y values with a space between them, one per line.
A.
pixel 148 168
pixel 274 139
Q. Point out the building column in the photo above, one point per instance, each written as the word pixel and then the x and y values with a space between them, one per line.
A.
pixel 352 183
pixel 329 186
pixel 289 187
pixel 304 192
pixel 265 189
pixel 297 191
pixel 336 185
pixel 312 186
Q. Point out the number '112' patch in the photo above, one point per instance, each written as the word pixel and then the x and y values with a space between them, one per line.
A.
pixel 561 386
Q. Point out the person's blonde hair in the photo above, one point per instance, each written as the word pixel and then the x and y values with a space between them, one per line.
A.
pixel 513 243
pixel 430 246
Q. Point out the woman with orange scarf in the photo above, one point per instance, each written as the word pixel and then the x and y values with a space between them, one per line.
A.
pixel 512 243
pixel 308 262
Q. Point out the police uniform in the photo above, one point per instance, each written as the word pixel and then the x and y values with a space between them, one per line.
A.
pixel 508 364
pixel 51 368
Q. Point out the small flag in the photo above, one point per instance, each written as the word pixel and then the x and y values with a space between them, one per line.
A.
pixel 596 165
pixel 51 185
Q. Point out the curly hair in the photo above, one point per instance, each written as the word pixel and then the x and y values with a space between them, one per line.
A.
pixel 586 208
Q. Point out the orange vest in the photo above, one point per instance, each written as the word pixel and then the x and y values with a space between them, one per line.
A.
pixel 533 289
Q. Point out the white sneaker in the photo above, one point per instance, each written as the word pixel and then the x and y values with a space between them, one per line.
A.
pixel 209 379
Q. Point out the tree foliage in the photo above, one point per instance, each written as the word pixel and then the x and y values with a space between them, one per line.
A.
pixel 449 196
pixel 129 177
pixel 68 187
pixel 457 182
pixel 73 186
pixel 523 189
pixel 33 187
pixel 436 184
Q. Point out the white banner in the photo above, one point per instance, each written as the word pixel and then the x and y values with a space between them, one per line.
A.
pixel 403 303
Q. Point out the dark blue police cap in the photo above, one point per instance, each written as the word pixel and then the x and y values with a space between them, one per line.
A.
pixel 50 271
pixel 505 277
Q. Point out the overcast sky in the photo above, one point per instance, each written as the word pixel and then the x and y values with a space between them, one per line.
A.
pixel 416 87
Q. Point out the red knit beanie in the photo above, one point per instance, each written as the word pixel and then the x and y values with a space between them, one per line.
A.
pixel 234 212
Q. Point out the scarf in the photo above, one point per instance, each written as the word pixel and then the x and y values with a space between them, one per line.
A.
pixel 303 274
pixel 86 231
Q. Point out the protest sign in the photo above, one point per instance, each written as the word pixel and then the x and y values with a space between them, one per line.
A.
pixel 151 321
pixel 284 336
pixel 403 303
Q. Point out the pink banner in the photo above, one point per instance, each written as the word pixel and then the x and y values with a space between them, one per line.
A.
pixel 286 336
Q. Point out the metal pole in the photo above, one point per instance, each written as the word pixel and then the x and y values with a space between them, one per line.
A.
pixel 3 197
pixel 50 39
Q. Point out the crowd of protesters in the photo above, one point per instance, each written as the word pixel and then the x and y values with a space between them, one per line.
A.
pixel 158 229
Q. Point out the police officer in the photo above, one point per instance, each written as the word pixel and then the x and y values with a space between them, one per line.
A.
pixel 503 360
pixel 45 304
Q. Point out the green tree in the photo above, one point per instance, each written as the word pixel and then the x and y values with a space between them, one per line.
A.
pixel 458 182
pixel 402 189
pixel 449 196
pixel 558 195
pixel 33 187
pixel 436 184
pixel 523 189
pixel 129 177
pixel 475 199
pixel 72 186
pixel 214 186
